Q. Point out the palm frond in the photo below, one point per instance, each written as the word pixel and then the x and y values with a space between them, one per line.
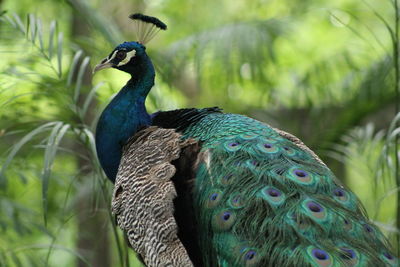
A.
pixel 100 22
pixel 33 32
pixel 369 156
pixel 225 49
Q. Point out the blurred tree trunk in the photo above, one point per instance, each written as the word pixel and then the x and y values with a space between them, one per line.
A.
pixel 92 239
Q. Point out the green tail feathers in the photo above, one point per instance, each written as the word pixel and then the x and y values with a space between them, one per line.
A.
pixel 263 200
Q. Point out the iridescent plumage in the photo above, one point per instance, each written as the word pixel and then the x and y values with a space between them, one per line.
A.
pixel 221 189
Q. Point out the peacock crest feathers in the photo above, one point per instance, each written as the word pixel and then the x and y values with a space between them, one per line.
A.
pixel 146 27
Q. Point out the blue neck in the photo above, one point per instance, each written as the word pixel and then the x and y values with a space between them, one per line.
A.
pixel 123 117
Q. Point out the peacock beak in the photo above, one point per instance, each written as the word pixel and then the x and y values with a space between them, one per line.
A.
pixel 104 64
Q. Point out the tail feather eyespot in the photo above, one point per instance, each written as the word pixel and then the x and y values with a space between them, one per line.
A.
pixel 300 175
pixel 272 195
pixel 314 210
pixel 214 199
pixel 223 220
pixel 320 257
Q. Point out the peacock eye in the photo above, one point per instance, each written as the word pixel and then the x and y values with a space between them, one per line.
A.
pixel 121 55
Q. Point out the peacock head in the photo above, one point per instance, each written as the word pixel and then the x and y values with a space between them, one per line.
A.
pixel 131 56
pixel 126 57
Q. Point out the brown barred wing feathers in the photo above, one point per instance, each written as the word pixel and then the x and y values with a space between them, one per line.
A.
pixel 144 193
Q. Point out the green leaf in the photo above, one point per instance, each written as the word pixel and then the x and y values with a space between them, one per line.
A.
pixel 92 142
pixel 59 53
pixel 229 46
pixel 89 98
pixel 11 99
pixel 394 122
pixel 79 78
pixel 395 133
pixel 39 28
pixel 19 145
pixel 19 23
pixel 16 260
pixel 106 26
pixel 72 69
pixel 46 246
pixel 11 21
pixel 53 142
pixel 32 25
pixel 53 26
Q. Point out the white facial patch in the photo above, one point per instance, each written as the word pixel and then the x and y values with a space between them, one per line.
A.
pixel 128 57
pixel 112 56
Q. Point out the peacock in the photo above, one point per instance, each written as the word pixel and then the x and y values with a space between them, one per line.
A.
pixel 199 187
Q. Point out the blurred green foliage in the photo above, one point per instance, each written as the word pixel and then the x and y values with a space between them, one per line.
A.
pixel 323 70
